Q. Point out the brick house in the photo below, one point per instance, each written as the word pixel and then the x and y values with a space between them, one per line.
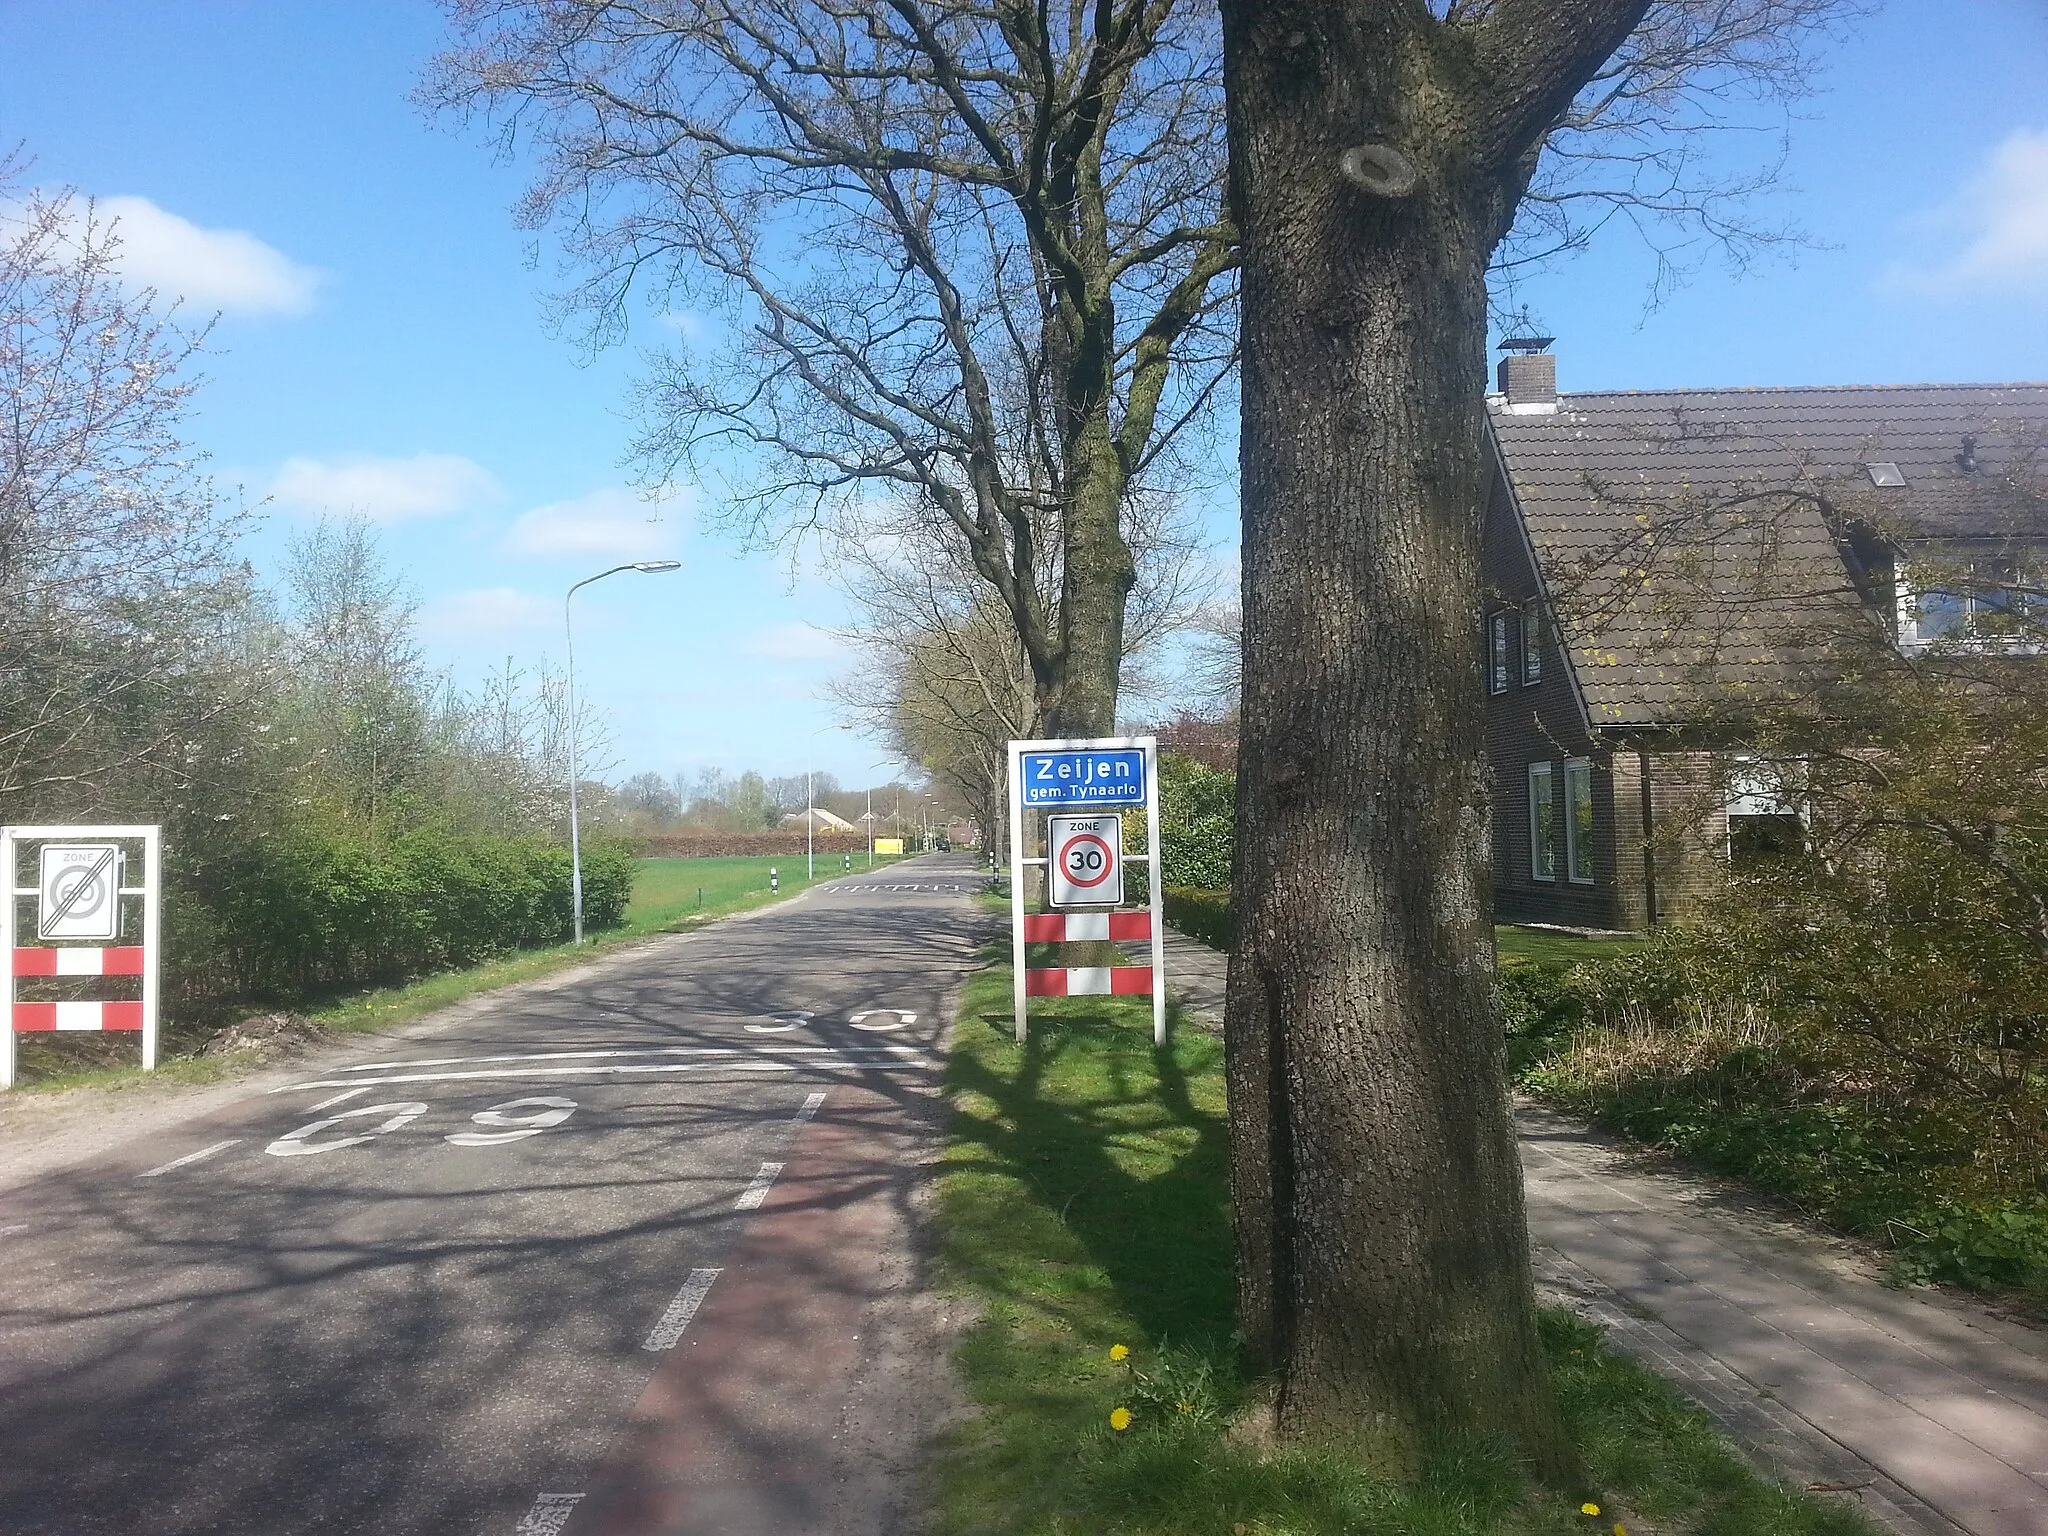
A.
pixel 1777 516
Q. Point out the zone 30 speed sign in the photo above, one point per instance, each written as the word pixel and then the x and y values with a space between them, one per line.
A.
pixel 1087 860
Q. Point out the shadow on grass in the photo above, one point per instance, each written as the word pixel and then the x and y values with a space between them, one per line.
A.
pixel 1085 1205
pixel 1121 1155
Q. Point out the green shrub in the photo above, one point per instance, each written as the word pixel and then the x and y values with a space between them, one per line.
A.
pixel 316 910
pixel 1200 914
pixel 1728 1041
pixel 1197 806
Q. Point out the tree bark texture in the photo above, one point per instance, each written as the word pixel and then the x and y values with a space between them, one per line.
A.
pixel 1382 1248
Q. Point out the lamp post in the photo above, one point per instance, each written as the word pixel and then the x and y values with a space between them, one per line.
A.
pixel 569 648
pixel 810 810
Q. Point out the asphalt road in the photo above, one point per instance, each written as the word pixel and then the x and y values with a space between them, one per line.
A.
pixel 628 1251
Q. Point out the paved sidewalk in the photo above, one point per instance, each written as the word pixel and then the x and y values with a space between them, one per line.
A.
pixel 1926 1410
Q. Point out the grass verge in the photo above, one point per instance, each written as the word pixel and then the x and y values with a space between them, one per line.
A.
pixel 1084 1204
pixel 669 896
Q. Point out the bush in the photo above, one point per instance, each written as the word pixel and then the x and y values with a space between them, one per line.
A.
pixel 1722 1041
pixel 317 910
pixel 1200 914
pixel 1197 807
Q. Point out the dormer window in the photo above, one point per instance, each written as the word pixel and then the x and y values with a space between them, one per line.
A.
pixel 1967 597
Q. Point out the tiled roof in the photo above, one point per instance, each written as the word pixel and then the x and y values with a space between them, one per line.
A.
pixel 1696 538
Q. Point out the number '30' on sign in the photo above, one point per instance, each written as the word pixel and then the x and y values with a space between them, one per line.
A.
pixel 1085 855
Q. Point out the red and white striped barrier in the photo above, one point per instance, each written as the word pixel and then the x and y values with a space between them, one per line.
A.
pixel 1089 981
pixel 123 961
pixel 1084 927
pixel 31 1017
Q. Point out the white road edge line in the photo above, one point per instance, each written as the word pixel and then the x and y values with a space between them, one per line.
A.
pixel 812 1105
pixel 669 1331
pixel 751 1198
pixel 549 1514
pixel 190 1157
pixel 339 1098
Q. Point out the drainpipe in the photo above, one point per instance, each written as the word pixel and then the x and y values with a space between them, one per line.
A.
pixel 1649 836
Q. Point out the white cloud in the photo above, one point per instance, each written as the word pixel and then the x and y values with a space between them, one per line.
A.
pixel 225 269
pixel 2001 216
pixel 610 522
pixel 457 617
pixel 794 642
pixel 384 490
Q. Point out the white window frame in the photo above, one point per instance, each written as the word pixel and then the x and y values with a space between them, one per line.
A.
pixel 1578 852
pixel 1500 650
pixel 1543 775
pixel 1532 644
pixel 1906 615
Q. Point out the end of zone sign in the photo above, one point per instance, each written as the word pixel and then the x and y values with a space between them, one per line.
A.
pixel 1115 776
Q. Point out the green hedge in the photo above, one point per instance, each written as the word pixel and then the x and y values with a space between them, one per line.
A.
pixel 1196 827
pixel 1200 914
pixel 316 911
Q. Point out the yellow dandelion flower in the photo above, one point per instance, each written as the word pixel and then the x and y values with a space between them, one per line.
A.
pixel 1118 1352
pixel 1185 1407
pixel 1589 1509
pixel 1120 1419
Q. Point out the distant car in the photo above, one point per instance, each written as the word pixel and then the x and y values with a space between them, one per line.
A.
pixel 942 843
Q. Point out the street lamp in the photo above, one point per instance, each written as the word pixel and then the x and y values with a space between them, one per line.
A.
pixel 569 641
pixel 810 811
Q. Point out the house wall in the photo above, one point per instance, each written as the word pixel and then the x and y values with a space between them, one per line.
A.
pixel 1532 723
pixel 1687 833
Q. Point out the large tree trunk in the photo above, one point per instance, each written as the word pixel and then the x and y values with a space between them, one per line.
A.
pixel 1094 590
pixel 1382 1248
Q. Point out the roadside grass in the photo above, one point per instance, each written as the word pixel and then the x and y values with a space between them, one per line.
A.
pixel 669 896
pixel 1083 1204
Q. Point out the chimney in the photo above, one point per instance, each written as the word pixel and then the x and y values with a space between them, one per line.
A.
pixel 1528 375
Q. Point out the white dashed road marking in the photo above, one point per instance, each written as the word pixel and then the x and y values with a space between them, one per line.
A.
pixel 756 1192
pixel 812 1105
pixel 669 1330
pixel 189 1157
pixel 339 1098
pixel 549 1514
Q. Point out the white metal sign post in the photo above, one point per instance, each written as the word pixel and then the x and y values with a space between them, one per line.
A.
pixel 1084 866
pixel 81 884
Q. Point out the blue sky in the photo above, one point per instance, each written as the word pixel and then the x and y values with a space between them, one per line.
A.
pixel 382 341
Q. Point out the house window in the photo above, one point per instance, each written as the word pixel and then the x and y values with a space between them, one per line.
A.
pixel 1532 645
pixel 1543 821
pixel 1578 820
pixel 1763 812
pixel 1976 599
pixel 1501 630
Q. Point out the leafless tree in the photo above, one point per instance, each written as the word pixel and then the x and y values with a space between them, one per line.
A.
pixel 978 248
pixel 123 607
pixel 1646 142
pixel 973 251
